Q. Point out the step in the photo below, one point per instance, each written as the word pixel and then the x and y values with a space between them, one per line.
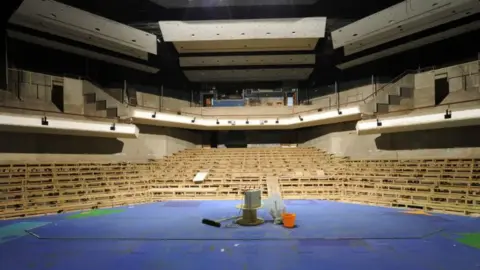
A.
pixel 406 92
pixel 90 98
pixel 112 112
pixel 91 110
pixel 101 105
pixel 382 108
pixel 394 99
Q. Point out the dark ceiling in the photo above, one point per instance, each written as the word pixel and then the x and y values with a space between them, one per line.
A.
pixel 145 15
pixel 134 11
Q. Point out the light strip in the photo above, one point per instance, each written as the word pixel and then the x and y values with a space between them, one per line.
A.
pixel 421 122
pixel 204 123
pixel 45 124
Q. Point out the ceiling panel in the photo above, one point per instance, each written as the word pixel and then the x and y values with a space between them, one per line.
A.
pixel 226 3
pixel 248 75
pixel 263 45
pixel 290 28
pixel 411 45
pixel 400 20
pixel 75 24
pixel 247 60
pixel 79 51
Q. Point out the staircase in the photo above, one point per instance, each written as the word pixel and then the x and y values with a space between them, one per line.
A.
pixel 98 102
pixel 394 96
pixel 100 108
pixel 394 99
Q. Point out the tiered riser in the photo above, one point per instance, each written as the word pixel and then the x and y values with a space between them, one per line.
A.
pixel 32 189
pixel 230 171
pixel 299 173
pixel 442 185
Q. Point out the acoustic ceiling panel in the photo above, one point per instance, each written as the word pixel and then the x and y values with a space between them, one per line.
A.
pixel 248 75
pixel 400 20
pixel 227 3
pixel 411 45
pixel 259 45
pixel 290 28
pixel 75 24
pixel 79 51
pixel 247 60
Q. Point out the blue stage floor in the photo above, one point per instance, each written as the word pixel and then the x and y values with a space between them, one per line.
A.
pixel 169 235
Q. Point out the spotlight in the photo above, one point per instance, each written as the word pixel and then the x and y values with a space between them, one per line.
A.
pixel 247 122
pixel 154 115
pixel 300 117
pixel 193 120
pixel 218 123
pixel 448 114
pixel 276 122
pixel 339 112
pixel 112 128
pixel 179 113
pixel 320 110
pixel 379 124
pixel 44 121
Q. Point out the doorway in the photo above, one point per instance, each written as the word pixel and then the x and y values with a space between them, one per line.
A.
pixel 442 89
pixel 57 97
pixel 214 139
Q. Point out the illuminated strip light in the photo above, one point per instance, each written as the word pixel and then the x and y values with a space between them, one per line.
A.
pixel 192 122
pixel 43 124
pixel 448 119
pixel 411 45
pixel 79 51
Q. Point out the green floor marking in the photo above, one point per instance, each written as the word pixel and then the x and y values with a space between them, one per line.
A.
pixel 470 239
pixel 96 213
pixel 17 230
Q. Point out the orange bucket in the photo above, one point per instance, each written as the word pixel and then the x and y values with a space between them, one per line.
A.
pixel 288 220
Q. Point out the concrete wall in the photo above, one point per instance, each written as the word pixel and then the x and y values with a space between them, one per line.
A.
pixel 464 83
pixel 153 143
pixel 342 139
pixel 73 96
pixel 243 112
pixel 349 97
pixel 100 94
pixel 29 90
pixel 174 104
pixel 151 97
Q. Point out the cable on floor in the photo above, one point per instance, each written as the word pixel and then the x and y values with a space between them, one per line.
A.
pixel 231 239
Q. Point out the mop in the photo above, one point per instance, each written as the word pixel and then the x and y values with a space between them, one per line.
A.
pixel 277 207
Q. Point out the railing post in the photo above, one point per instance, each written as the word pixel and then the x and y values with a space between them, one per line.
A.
pixel 125 96
pixel 6 62
pixel 374 85
pixel 337 95
pixel 191 97
pixel 161 98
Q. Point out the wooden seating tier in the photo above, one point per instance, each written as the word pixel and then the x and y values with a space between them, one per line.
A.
pixel 447 185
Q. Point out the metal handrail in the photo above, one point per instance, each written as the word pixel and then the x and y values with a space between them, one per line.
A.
pixel 396 79
pixel 163 109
